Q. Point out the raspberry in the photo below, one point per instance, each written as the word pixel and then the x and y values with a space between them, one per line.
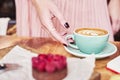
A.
pixel 50 57
pixel 49 62
pixel 58 65
pixel 50 67
pixel 41 66
pixel 56 57
pixel 35 62
pixel 42 56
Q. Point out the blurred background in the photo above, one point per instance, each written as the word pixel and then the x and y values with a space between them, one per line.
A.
pixel 7 9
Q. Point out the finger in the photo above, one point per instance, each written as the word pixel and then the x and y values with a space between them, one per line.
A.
pixel 115 25
pixel 46 21
pixel 54 10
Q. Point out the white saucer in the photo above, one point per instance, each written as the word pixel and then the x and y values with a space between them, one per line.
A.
pixel 109 50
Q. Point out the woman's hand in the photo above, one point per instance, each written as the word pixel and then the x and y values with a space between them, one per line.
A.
pixel 46 11
pixel 114 10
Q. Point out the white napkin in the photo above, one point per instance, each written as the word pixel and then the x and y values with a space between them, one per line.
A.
pixel 4 25
pixel 80 69
pixel 22 57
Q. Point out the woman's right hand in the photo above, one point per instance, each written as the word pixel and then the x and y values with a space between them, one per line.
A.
pixel 47 10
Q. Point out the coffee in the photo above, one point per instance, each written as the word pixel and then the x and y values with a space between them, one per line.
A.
pixel 91 31
pixel 90 40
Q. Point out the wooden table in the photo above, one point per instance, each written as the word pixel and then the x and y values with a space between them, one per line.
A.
pixel 46 45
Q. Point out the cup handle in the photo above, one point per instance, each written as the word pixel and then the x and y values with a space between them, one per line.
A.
pixel 71 42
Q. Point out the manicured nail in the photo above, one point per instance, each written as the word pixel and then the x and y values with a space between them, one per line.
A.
pixel 2 66
pixel 65 45
pixel 71 41
pixel 66 25
pixel 64 34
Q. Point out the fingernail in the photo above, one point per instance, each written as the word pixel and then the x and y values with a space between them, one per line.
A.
pixel 70 40
pixel 64 34
pixel 2 66
pixel 65 45
pixel 66 25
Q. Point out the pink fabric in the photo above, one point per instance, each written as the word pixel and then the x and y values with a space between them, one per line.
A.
pixel 78 13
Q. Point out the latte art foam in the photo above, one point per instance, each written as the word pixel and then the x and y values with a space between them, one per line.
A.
pixel 91 32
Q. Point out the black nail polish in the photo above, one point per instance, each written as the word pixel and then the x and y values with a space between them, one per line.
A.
pixel 66 25
pixel 2 66
pixel 65 45
pixel 72 42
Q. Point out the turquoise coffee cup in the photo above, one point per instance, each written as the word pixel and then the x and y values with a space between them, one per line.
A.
pixel 91 41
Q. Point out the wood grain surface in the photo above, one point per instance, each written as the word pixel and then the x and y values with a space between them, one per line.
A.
pixel 47 45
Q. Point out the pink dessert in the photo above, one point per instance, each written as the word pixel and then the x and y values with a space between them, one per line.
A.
pixel 49 67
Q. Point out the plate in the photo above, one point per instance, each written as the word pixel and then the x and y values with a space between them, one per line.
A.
pixel 109 50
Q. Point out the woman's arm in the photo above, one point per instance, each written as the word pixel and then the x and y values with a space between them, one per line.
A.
pixel 114 11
